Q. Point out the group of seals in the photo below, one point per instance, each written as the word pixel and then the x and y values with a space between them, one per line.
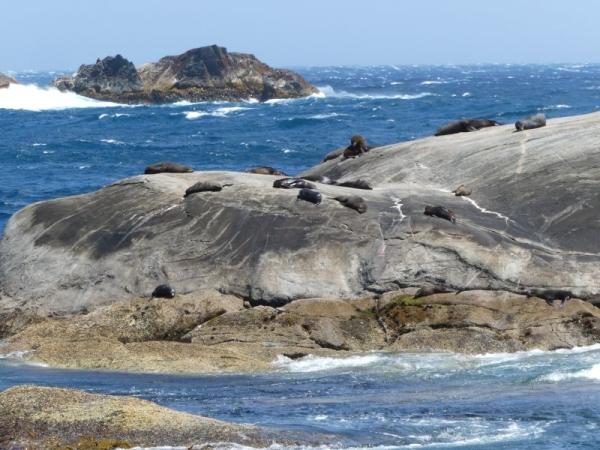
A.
pixel 531 122
pixel 293 183
pixel 441 212
pixel 465 125
pixel 167 167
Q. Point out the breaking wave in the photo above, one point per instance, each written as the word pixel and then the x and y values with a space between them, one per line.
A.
pixel 219 112
pixel 328 91
pixel 30 97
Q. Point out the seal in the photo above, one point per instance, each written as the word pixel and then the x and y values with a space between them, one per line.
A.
pixel 356 184
pixel 334 154
pixel 531 122
pixel 465 125
pixel 310 196
pixel 358 146
pixel 441 212
pixel 167 167
pixel 203 186
pixel 354 202
pixel 426 291
pixel 462 190
pixel 293 183
pixel 163 291
pixel 266 170
pixel 320 179
pixel 550 294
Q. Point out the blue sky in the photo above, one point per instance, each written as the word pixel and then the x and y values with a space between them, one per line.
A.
pixel 57 34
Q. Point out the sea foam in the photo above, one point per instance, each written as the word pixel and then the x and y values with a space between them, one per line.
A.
pixel 31 97
pixel 328 91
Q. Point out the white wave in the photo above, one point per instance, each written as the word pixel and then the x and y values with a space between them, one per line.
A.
pixel 326 116
pixel 112 141
pixel 20 354
pixel 328 91
pixel 313 363
pixel 38 144
pixel 288 150
pixel 219 112
pixel 466 94
pixel 30 97
pixel 559 106
pixel 394 83
pixel 116 115
pixel 428 82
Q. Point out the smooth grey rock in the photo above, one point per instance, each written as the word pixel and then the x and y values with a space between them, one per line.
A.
pixel 531 223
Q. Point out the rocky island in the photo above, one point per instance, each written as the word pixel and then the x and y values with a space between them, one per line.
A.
pixel 5 80
pixel 261 274
pixel 201 74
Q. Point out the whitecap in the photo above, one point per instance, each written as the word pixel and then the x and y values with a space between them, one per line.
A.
pixel 328 91
pixel 466 94
pixel 428 82
pixel 219 112
pixel 326 116
pixel 112 141
pixel 38 144
pixel 30 97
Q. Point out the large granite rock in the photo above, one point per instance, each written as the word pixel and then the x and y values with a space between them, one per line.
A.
pixel 531 223
pixel 33 417
pixel 201 74
pixel 5 80
pixel 112 78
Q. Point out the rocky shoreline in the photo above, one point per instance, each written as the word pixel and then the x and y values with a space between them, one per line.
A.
pixel 202 74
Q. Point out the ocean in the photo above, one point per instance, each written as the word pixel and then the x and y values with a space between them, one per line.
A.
pixel 55 144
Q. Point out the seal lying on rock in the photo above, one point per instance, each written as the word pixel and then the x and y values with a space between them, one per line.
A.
pixel 462 190
pixel 203 186
pixel 465 125
pixel 356 184
pixel 333 154
pixel 550 294
pixel 535 121
pixel 310 196
pixel 266 170
pixel 163 291
pixel 355 202
pixel 440 211
pixel 426 291
pixel 167 167
pixel 358 146
pixel 293 183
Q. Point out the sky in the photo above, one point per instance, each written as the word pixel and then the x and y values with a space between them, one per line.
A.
pixel 62 34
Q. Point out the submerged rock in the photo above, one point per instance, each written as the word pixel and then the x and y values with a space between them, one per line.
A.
pixel 201 74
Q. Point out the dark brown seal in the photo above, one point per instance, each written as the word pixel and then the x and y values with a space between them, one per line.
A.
pixel 266 170
pixel 356 184
pixel 358 146
pixel 293 183
pixel 310 196
pixel 163 291
pixel 465 125
pixel 203 186
pixel 426 291
pixel 354 201
pixel 462 190
pixel 167 167
pixel 440 211
pixel 531 122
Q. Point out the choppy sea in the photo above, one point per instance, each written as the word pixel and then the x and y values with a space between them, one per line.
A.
pixel 55 144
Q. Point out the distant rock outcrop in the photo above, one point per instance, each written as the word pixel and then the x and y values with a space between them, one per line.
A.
pixel 201 74
pixel 5 80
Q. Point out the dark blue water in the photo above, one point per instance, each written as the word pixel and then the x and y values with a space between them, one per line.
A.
pixel 534 400
pixel 72 145
pixel 56 144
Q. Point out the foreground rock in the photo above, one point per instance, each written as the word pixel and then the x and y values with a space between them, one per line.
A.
pixel 201 74
pixel 41 418
pixel 530 224
pixel 5 80
pixel 215 333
